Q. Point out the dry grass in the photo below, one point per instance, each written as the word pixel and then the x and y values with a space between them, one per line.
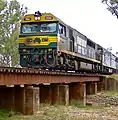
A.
pixel 73 112
pixel 110 93
pixel 59 112
pixel 114 76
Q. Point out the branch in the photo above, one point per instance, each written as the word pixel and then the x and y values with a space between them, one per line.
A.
pixel 112 6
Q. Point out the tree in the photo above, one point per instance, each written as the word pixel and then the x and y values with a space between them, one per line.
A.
pixel 112 6
pixel 10 16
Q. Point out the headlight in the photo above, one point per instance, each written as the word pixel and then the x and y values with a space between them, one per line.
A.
pixel 37 18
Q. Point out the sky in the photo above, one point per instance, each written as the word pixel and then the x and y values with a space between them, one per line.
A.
pixel 90 17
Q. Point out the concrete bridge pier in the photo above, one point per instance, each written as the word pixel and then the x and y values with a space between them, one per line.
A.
pixel 31 99
pixel 45 94
pixel 54 94
pixel 23 99
pixel 91 88
pixel 78 92
pixel 63 94
pixel 26 99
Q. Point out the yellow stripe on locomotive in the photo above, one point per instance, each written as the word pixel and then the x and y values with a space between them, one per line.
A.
pixel 38 40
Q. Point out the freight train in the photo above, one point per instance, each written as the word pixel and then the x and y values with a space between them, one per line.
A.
pixel 47 42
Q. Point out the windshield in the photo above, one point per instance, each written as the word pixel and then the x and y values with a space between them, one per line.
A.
pixel 48 27
pixel 29 28
pixel 39 28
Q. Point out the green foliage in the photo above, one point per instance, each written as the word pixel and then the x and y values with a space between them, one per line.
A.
pixel 111 93
pixel 115 0
pixel 4 114
pixel 10 16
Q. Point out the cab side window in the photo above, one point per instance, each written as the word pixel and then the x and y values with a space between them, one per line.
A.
pixel 62 30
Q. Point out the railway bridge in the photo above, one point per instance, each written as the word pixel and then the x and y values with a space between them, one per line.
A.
pixel 24 89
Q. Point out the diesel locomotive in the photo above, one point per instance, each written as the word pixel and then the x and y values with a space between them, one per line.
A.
pixel 47 42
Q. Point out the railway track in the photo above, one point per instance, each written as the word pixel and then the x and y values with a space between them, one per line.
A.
pixel 45 71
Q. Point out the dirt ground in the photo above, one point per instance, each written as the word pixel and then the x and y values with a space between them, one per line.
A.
pixel 70 113
pixel 96 111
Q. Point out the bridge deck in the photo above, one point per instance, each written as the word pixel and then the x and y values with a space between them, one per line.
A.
pixel 18 76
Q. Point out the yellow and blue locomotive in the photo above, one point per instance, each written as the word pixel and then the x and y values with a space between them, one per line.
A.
pixel 47 42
